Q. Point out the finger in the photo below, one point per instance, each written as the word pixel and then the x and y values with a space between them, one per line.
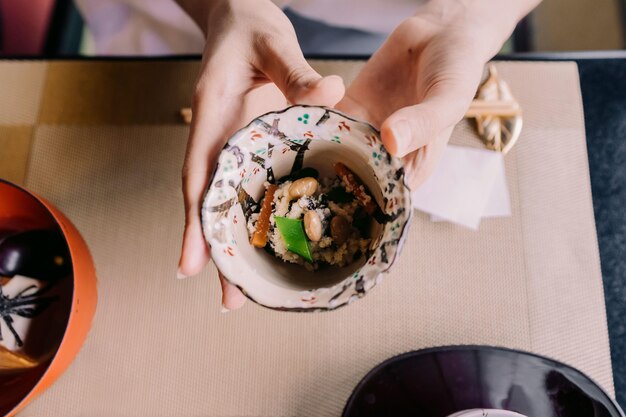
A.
pixel 412 127
pixel 232 298
pixel 261 100
pixel 352 107
pixel 208 131
pixel 283 63
pixel 420 164
pixel 195 252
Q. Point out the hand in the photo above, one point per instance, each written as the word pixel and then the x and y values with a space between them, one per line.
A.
pixel 419 84
pixel 251 49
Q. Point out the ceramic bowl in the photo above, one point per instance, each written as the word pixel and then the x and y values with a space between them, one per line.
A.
pixel 274 145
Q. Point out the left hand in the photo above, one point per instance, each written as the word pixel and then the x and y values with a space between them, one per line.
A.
pixel 251 64
pixel 419 84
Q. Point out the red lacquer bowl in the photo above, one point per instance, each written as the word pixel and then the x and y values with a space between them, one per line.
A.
pixel 23 209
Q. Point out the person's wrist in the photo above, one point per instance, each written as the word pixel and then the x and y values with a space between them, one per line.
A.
pixel 210 15
pixel 247 12
pixel 203 11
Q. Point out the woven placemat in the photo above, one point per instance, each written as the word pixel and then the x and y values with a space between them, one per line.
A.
pixel 160 346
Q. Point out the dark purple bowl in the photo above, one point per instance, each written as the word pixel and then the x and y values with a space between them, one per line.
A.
pixel 440 381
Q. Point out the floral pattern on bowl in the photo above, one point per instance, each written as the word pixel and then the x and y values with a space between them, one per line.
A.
pixel 274 145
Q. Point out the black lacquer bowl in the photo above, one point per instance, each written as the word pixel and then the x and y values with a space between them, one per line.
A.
pixel 440 381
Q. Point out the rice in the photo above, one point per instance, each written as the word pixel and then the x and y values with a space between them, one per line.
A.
pixel 325 251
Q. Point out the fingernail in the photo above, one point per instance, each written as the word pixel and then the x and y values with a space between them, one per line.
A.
pixel 180 275
pixel 402 134
pixel 224 310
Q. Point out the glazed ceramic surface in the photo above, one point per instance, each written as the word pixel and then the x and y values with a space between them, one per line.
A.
pixel 277 144
pixel 440 382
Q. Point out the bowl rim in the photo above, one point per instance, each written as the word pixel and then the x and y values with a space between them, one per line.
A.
pixel 402 234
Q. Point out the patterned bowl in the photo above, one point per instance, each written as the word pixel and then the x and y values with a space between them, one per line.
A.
pixel 274 145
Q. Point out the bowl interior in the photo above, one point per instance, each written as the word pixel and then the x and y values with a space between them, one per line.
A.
pixel 322 156
pixel 20 211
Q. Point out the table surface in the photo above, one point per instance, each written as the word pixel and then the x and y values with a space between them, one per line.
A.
pixel 603 85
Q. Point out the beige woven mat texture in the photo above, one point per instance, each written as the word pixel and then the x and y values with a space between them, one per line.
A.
pixel 161 347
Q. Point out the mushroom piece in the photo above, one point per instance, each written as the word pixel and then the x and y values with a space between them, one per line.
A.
pixel 339 229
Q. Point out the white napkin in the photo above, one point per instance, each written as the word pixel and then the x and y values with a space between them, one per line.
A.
pixel 468 184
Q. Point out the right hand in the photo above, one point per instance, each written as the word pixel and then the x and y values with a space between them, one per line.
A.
pixel 250 44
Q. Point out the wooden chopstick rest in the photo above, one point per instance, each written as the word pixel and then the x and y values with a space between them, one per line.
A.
pixel 186 114
pixel 493 108
pixel 498 115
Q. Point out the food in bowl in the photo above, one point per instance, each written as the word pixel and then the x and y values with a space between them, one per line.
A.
pixel 313 221
pixel 298 274
pixel 35 281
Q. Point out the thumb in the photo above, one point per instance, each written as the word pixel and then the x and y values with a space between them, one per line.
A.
pixel 286 67
pixel 413 127
pixel 232 298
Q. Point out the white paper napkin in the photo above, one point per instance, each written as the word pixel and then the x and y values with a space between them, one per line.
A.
pixel 467 185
